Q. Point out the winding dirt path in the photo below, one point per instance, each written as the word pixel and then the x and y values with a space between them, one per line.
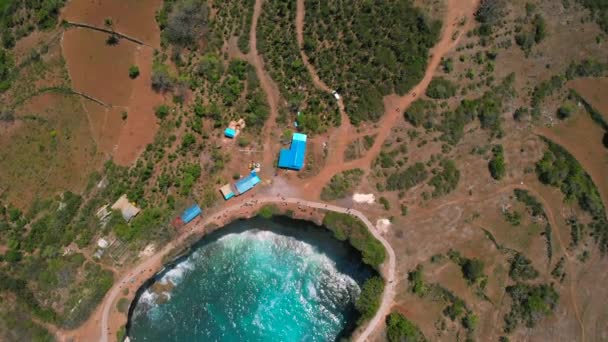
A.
pixel 270 88
pixel 394 105
pixel 341 137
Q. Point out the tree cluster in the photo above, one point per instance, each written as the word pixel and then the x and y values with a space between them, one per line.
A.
pixel 530 303
pixel 497 163
pixel 341 185
pixel 445 180
pixel 399 328
pixel 370 298
pixel 441 88
pixel 347 227
pixel 368 49
pixel 276 38
pixel 560 169
pixel 407 178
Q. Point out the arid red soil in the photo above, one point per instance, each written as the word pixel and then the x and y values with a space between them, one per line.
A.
pixel 131 17
pixel 98 69
pixel 101 71
pixel 594 90
pixel 141 125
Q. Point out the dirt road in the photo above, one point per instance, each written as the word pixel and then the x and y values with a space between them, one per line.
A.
pixel 394 106
pixel 340 138
pixel 151 265
pixel 269 87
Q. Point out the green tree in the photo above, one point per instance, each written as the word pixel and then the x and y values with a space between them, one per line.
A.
pixel 133 71
pixel 472 269
pixel 369 300
pixel 161 111
pixel 399 329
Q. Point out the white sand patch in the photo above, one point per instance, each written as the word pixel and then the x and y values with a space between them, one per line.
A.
pixel 148 251
pixel 364 198
pixel 382 225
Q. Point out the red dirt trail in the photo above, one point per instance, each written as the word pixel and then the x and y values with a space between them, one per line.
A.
pixel 341 136
pixel 394 105
pixel 270 88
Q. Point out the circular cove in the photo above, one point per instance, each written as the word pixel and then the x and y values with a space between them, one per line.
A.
pixel 254 280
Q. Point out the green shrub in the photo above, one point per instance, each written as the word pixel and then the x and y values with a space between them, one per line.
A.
pixel 441 88
pixel 530 303
pixel 268 211
pixel 446 180
pixel 521 268
pixel 370 298
pixel 533 205
pixel 341 184
pixel 133 71
pixel 347 227
pixel 161 111
pixel 421 113
pixel 417 284
pixel 472 270
pixel 385 203
pixel 513 217
pixel 6 67
pixel 497 163
pixel 123 305
pixel 399 329
pixel 565 111
pixel 599 10
pixel 407 178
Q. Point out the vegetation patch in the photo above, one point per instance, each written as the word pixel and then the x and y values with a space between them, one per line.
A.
pixel 368 49
pixel 530 303
pixel 445 180
pixel 276 37
pixel 441 88
pixel 421 113
pixel 521 268
pixel 599 10
pixel 407 178
pixel 348 228
pixel 560 169
pixel 399 328
pixel 341 185
pixel 370 298
pixel 497 163
pixel 455 307
pixel 487 108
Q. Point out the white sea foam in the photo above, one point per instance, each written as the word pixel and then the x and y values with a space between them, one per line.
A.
pixel 176 274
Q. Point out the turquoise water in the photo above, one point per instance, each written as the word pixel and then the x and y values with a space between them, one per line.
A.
pixel 255 280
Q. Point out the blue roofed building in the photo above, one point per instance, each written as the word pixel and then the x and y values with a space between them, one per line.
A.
pixel 230 133
pixel 246 183
pixel 191 213
pixel 293 158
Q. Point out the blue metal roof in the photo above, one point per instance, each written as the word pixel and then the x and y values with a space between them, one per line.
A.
pixel 246 183
pixel 294 157
pixel 229 132
pixel 190 213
